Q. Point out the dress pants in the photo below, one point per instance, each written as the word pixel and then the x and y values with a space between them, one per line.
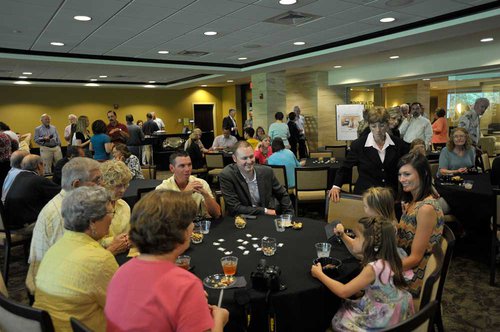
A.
pixel 50 156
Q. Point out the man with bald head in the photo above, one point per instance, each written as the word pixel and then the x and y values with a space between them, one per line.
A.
pixel 50 144
pixel 28 194
pixel 15 168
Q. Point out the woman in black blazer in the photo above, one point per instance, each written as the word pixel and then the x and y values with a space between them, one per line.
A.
pixel 376 155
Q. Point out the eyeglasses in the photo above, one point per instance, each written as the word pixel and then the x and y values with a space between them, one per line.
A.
pixel 459 136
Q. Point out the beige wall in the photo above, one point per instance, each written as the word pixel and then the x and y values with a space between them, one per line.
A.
pixel 398 95
pixel 21 107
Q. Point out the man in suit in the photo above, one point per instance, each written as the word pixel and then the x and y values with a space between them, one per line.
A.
pixel 252 189
pixel 230 122
pixel 376 155
pixel 29 193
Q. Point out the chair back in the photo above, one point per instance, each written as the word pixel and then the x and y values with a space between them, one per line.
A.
pixel 3 288
pixel 311 178
pixel 486 162
pixel 214 160
pixel 348 210
pixel 143 191
pixel 447 247
pixel 148 171
pixel 17 317
pixel 338 151
pixel 431 278
pixel 78 326
pixel 280 173
pixel 434 169
pixel 325 154
pixel 420 322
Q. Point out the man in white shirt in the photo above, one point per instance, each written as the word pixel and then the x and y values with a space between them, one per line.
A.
pixel 416 126
pixel 182 180
pixel 158 121
pixel 224 141
pixel 67 131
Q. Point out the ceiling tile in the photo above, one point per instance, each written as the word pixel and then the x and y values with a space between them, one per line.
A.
pixel 216 7
pixel 256 13
pixel 277 5
pixel 431 9
pixel 326 7
pixel 153 13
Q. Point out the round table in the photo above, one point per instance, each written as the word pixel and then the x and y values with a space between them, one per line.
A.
pixel 131 195
pixel 305 305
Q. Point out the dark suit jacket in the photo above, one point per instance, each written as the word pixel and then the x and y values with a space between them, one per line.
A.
pixel 227 122
pixel 237 196
pixel 27 196
pixel 372 172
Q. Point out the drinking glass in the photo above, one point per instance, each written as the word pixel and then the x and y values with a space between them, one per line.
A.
pixel 323 249
pixel 286 219
pixel 268 246
pixel 183 261
pixel 468 184
pixel 197 235
pixel 229 265
pixel 205 226
pixel 280 227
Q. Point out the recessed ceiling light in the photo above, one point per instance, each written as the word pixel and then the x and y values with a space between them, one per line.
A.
pixel 203 85
pixel 426 79
pixel 23 77
pixel 163 52
pixel 394 57
pixel 242 58
pixel 57 44
pixel 103 76
pixel 151 82
pixel 337 67
pixel 82 18
pixel 287 2
pixel 210 33
pixel 229 81
pixel 93 79
pixel 149 86
pixel 387 19
pixel 299 43
pixel 92 84
pixel 27 73
pixel 486 40
pixel 22 82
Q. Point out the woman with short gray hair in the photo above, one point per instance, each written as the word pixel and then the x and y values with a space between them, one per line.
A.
pixel 75 272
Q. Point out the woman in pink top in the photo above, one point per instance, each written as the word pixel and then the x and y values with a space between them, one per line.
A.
pixel 440 130
pixel 151 293
pixel 263 150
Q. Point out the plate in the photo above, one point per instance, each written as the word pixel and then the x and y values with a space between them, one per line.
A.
pixel 218 281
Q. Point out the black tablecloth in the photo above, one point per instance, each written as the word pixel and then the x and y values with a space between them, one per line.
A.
pixel 131 196
pixel 306 305
pixel 332 167
pixel 470 206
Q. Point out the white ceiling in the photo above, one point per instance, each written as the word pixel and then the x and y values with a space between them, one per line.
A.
pixel 135 30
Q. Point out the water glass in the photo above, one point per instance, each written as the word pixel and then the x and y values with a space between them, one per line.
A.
pixel 229 265
pixel 205 226
pixel 280 226
pixel 197 235
pixel 323 249
pixel 468 184
pixel 183 261
pixel 287 220
pixel 268 246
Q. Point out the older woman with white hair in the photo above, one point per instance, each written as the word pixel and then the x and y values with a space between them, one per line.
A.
pixel 75 272
pixel 116 177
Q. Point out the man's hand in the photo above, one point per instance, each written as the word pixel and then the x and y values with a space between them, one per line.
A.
pixel 195 186
pixel 271 212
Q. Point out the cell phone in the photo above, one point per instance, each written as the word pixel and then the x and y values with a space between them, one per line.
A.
pixel 249 216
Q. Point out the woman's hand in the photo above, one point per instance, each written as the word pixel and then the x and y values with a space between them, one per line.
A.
pixel 462 170
pixel 316 270
pixel 339 230
pixel 120 244
pixel 334 194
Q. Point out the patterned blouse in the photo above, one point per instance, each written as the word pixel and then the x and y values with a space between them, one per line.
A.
pixel 134 165
pixel 407 228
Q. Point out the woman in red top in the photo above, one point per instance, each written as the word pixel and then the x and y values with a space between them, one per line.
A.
pixel 440 130
pixel 263 150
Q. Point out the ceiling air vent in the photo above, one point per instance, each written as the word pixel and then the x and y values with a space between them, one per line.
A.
pixel 193 53
pixel 293 18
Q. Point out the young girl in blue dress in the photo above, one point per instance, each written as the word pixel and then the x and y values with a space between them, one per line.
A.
pixel 385 301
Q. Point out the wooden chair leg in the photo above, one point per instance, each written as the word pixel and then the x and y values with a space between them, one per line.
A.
pixel 6 264
pixel 438 320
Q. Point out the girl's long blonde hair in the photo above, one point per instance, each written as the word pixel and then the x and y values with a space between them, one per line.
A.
pixel 381 200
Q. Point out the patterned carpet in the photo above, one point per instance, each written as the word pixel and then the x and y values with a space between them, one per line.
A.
pixel 469 303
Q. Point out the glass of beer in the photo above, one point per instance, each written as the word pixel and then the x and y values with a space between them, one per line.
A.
pixel 229 265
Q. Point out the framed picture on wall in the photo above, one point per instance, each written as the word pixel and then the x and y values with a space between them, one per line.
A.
pixel 347 119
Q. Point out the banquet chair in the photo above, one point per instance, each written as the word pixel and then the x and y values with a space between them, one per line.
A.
pixel 17 317
pixel 432 275
pixel 485 160
pixel 324 154
pixel 9 239
pixel 311 185
pixel 143 191
pixel 215 164
pixel 348 210
pixel 421 321
pixel 3 288
pixel 447 247
pixel 495 243
pixel 434 169
pixel 280 173
pixel 349 187
pixel 148 171
pixel 78 326
pixel 338 151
